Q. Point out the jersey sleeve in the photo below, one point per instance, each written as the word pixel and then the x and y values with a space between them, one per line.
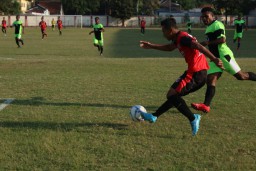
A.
pixel 185 41
pixel 220 30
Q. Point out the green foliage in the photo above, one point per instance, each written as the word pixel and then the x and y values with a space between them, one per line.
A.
pixel 147 7
pixel 122 9
pixel 81 7
pixel 233 7
pixel 9 7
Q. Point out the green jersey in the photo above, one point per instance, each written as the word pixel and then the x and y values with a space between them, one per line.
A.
pixel 18 27
pixel 239 24
pixel 215 31
pixel 98 31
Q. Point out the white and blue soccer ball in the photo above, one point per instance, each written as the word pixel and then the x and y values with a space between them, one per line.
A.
pixel 135 113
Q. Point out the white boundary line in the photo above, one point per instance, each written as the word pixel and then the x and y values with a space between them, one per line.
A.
pixel 6 103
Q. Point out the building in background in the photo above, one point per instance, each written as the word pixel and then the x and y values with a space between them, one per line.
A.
pixel 46 7
pixel 25 5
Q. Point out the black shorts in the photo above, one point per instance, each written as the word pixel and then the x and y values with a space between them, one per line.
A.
pixel 190 82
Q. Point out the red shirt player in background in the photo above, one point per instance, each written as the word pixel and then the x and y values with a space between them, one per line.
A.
pixel 59 23
pixel 191 80
pixel 142 26
pixel 43 26
pixel 4 26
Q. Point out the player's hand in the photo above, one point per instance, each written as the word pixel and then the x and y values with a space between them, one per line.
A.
pixel 219 63
pixel 145 44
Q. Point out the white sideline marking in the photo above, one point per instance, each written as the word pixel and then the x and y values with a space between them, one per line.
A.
pixel 6 103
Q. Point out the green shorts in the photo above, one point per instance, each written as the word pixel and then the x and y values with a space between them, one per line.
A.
pixel 18 36
pixel 238 35
pixel 98 42
pixel 229 63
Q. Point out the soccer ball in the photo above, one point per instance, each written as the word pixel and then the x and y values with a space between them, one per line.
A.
pixel 135 113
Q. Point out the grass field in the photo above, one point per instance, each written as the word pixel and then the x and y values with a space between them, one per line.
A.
pixel 71 108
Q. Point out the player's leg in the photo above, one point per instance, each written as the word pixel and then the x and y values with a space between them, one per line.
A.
pixel 17 41
pixel 101 46
pixel 214 73
pixel 235 37
pixel 96 43
pixel 239 37
pixel 180 88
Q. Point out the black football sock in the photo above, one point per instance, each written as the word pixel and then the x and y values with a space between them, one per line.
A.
pixel 181 105
pixel 101 49
pixel 252 76
pixel 163 108
pixel 210 92
pixel 17 41
pixel 238 45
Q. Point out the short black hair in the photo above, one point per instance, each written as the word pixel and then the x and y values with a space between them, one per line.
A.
pixel 169 23
pixel 207 9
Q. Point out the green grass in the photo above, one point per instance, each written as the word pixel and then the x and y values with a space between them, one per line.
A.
pixel 72 106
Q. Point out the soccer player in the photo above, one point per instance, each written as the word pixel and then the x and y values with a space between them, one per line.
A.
pixel 43 26
pixel 191 80
pixel 98 30
pixel 216 42
pixel 4 26
pixel 142 26
pixel 53 24
pixel 189 26
pixel 239 25
pixel 19 29
pixel 59 23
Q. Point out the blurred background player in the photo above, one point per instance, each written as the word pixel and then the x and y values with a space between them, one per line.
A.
pixel 239 25
pixel 59 23
pixel 142 26
pixel 215 32
pixel 4 26
pixel 189 26
pixel 98 30
pixel 43 26
pixel 191 80
pixel 19 29
pixel 53 24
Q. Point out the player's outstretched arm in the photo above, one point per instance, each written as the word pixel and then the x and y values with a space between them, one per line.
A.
pixel 206 52
pixel 148 45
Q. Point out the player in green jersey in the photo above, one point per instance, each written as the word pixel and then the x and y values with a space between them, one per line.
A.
pixel 19 29
pixel 216 42
pixel 239 25
pixel 98 30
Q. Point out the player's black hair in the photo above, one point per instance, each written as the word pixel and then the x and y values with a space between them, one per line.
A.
pixel 169 23
pixel 207 9
pixel 97 18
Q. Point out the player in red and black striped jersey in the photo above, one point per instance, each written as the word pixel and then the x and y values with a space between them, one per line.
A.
pixel 4 26
pixel 193 78
pixel 43 26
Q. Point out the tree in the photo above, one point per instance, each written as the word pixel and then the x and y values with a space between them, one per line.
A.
pixel 147 7
pixel 234 7
pixel 80 7
pixel 122 9
pixel 9 7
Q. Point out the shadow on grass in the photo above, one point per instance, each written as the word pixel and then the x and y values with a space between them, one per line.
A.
pixel 38 101
pixel 59 126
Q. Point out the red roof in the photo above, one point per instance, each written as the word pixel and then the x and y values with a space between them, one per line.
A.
pixel 53 7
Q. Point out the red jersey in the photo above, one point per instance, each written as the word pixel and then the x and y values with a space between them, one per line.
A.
pixel 43 25
pixel 59 22
pixel 3 23
pixel 194 58
pixel 143 23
